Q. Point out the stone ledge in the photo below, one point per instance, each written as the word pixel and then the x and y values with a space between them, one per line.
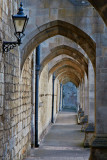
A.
pixel 84 119
pixel 98 148
pixel 82 114
pixel 99 142
pixel 90 128
pixel 89 132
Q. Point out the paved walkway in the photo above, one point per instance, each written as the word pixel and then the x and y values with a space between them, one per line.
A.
pixel 64 141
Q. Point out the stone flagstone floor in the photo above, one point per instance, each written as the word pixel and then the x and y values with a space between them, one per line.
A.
pixel 64 141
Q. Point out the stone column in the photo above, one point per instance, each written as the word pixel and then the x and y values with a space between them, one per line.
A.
pixel 84 119
pixel 79 109
pixel 58 95
pixel 86 92
pixel 53 86
pixel 82 95
pixel 99 143
pixel 89 131
pixel 81 98
pixel 81 106
pixel 78 97
pixel 91 75
pixel 60 106
pixel 62 97
pixel 37 94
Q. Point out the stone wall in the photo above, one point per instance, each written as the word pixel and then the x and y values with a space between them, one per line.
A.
pixel 10 119
pixel 1 100
pixel 45 97
pixel 78 14
pixel 17 108
pixel 26 106
pixel 15 95
pixel 15 85
pixel 5 32
pixel 45 100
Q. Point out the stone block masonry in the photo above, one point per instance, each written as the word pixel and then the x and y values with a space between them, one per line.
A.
pixel 52 23
pixel 15 95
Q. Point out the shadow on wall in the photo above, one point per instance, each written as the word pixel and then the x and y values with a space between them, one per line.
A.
pixel 70 97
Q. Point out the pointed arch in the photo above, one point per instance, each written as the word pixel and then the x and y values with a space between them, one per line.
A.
pixel 54 28
pixel 67 62
pixel 64 49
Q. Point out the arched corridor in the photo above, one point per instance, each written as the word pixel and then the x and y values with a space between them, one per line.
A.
pixel 53 79
pixel 64 140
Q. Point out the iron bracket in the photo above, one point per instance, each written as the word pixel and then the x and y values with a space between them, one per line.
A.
pixel 7 46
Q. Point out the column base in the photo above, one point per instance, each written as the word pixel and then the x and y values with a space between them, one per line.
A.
pixel 80 114
pixel 78 120
pixel 84 121
pixel 99 148
pixel 89 132
pixel 83 128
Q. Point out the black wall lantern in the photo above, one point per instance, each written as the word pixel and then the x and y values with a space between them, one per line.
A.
pixel 20 21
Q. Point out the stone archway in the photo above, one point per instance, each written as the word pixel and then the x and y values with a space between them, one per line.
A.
pixel 68 79
pixel 72 77
pixel 65 73
pixel 67 69
pixel 59 27
pixel 69 74
pixel 67 62
pixel 63 49
pixel 101 7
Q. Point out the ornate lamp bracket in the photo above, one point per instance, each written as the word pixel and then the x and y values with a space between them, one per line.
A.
pixel 7 46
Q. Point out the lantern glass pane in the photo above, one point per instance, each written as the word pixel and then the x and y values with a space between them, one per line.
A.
pixel 19 24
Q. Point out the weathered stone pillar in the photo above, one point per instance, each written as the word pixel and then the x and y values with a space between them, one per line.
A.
pixel 84 120
pixel 62 96
pixel 79 109
pixel 86 92
pixel 60 106
pixel 82 95
pixel 53 86
pixel 78 97
pixel 99 143
pixel 81 106
pixel 57 98
pixel 37 94
pixel 89 131
pixel 91 118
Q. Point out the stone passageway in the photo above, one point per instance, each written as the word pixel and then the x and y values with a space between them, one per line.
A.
pixel 53 55
pixel 64 141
